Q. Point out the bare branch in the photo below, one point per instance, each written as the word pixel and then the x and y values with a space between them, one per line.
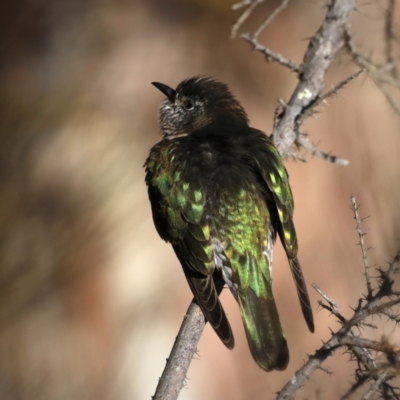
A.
pixel 361 235
pixel 375 385
pixel 355 341
pixel 271 55
pixel 380 74
pixel 270 18
pixel 309 111
pixel 388 96
pixel 175 371
pixel 302 141
pixel 320 53
pixel 325 296
pixel 360 348
pixel 394 266
pixel 389 36
pixel 338 339
pixel 239 22
pixel 297 157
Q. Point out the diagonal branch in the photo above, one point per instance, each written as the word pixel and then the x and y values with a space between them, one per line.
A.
pixel 271 55
pixel 320 53
pixel 174 374
pixel 270 18
pixel 304 142
pixel 363 247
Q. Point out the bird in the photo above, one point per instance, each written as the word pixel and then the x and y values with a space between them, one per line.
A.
pixel 220 194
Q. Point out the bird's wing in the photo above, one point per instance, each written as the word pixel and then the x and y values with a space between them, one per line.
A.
pixel 179 215
pixel 269 165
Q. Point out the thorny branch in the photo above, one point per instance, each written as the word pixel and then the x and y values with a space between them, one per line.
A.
pixel 174 374
pixel 385 74
pixel 332 36
pixel 371 367
pixel 323 46
pixel 364 249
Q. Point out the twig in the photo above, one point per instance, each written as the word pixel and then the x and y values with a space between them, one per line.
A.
pixel 389 35
pixel 174 374
pixel 270 18
pixel 241 4
pixel 375 385
pixel 391 316
pixel 239 22
pixel 340 338
pixel 394 266
pixel 364 249
pixel 297 157
pixel 376 71
pixel 303 142
pixel 271 55
pixel 358 346
pixel 309 111
pixel 355 341
pixel 389 97
pixel 320 53
pixel 325 296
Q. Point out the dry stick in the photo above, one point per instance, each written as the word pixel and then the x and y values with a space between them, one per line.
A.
pixel 354 341
pixel 270 18
pixel 252 5
pixel 389 35
pixel 303 142
pixel 343 337
pixel 361 353
pixel 394 266
pixel 252 39
pixel 388 96
pixel 364 249
pixel 375 386
pixel 174 374
pixel 392 317
pixel 271 55
pixel 309 111
pixel 319 55
pixel 375 71
pixel 325 297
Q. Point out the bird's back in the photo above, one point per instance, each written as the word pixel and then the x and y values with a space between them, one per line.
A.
pixel 242 236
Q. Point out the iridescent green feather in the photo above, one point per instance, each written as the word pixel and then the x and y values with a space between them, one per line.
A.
pixel 179 215
pixel 242 225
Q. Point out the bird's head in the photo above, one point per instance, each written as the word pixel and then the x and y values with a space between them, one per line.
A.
pixel 194 104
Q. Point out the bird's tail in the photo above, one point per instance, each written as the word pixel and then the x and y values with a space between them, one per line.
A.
pixel 263 329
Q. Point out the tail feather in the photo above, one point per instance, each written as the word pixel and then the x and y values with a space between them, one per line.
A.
pixel 206 297
pixel 263 329
pixel 302 292
pixel 206 289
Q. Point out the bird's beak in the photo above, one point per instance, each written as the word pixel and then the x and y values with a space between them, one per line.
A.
pixel 169 92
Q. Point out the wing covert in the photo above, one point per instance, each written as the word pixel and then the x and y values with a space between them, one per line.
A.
pixel 179 213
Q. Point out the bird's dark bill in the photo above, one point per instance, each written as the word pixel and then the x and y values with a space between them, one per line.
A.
pixel 169 92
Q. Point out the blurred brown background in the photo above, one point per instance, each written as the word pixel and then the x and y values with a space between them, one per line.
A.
pixel 90 298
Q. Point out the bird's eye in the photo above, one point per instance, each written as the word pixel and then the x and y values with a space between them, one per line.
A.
pixel 188 105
